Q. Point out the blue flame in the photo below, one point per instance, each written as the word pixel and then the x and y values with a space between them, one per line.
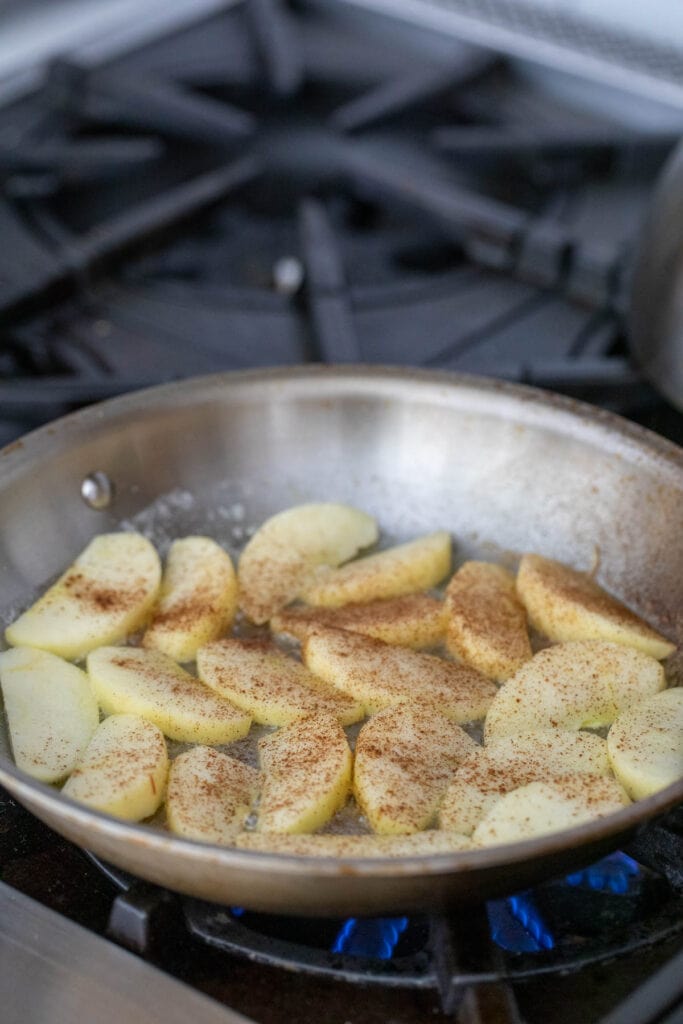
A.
pixel 524 910
pixel 372 936
pixel 611 874
pixel 236 911
pixel 516 925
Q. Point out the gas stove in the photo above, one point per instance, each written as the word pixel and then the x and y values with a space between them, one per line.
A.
pixel 568 951
pixel 268 184
pixel 278 185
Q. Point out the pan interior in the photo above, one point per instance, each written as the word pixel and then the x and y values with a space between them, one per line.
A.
pixel 503 473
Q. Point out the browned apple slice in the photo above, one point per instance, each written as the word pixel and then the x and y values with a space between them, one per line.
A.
pixel 381 676
pixel 209 795
pixel 418 844
pixel 131 680
pixel 405 758
pixel 198 598
pixel 307 774
pixel 273 688
pixel 514 761
pixel 107 593
pixel 573 686
pixel 404 569
pixel 415 620
pixel 123 770
pixel 552 806
pixel 486 622
pixel 564 604
pixel 284 556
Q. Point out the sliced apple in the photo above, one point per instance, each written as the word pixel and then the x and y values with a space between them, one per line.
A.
pixel 273 688
pixel 307 774
pixel 405 569
pixel 544 807
pixel 486 622
pixel 283 557
pixel 514 761
pixel 564 604
pixel 51 711
pixel 107 593
pixel 198 599
pixel 405 758
pixel 554 751
pixel 209 795
pixel 381 676
pixel 131 680
pixel 645 744
pixel 123 770
pixel 415 620
pixel 572 686
pixel 417 845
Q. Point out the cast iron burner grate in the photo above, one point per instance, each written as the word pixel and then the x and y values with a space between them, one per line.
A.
pixel 627 902
pixel 279 184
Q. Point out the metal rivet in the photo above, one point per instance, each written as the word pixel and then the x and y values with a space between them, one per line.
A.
pixel 97 490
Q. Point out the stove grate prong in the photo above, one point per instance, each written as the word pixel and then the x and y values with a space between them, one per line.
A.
pixel 33 271
pixel 469 973
pixel 424 186
pixel 399 95
pixel 326 288
pixel 79 161
pixel 494 234
pixel 145 102
pixel 519 140
pixel 276 45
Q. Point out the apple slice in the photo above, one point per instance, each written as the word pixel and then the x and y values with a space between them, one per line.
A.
pixel 307 774
pixel 51 711
pixel 419 844
pixel 405 569
pixel 283 557
pixel 552 806
pixel 564 604
pixel 130 680
pixel 271 687
pixel 107 593
pixel 123 771
pixel 572 686
pixel 555 751
pixel 381 676
pixel 514 761
pixel 405 758
pixel 198 599
pixel 209 795
pixel 645 744
pixel 486 622
pixel 415 620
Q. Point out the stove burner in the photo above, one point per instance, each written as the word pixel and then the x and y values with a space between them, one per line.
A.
pixel 516 923
pixel 280 189
pixel 614 873
pixel 517 926
pixel 626 902
pixel 375 937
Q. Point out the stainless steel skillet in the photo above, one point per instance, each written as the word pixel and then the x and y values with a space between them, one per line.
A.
pixel 504 468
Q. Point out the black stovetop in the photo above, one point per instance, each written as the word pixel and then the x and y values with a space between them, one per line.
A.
pixel 285 183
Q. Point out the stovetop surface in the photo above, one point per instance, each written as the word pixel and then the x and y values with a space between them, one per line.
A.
pixel 287 183
pixel 283 183
pixel 154 924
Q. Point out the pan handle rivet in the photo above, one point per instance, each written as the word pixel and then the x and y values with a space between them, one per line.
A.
pixel 97 490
